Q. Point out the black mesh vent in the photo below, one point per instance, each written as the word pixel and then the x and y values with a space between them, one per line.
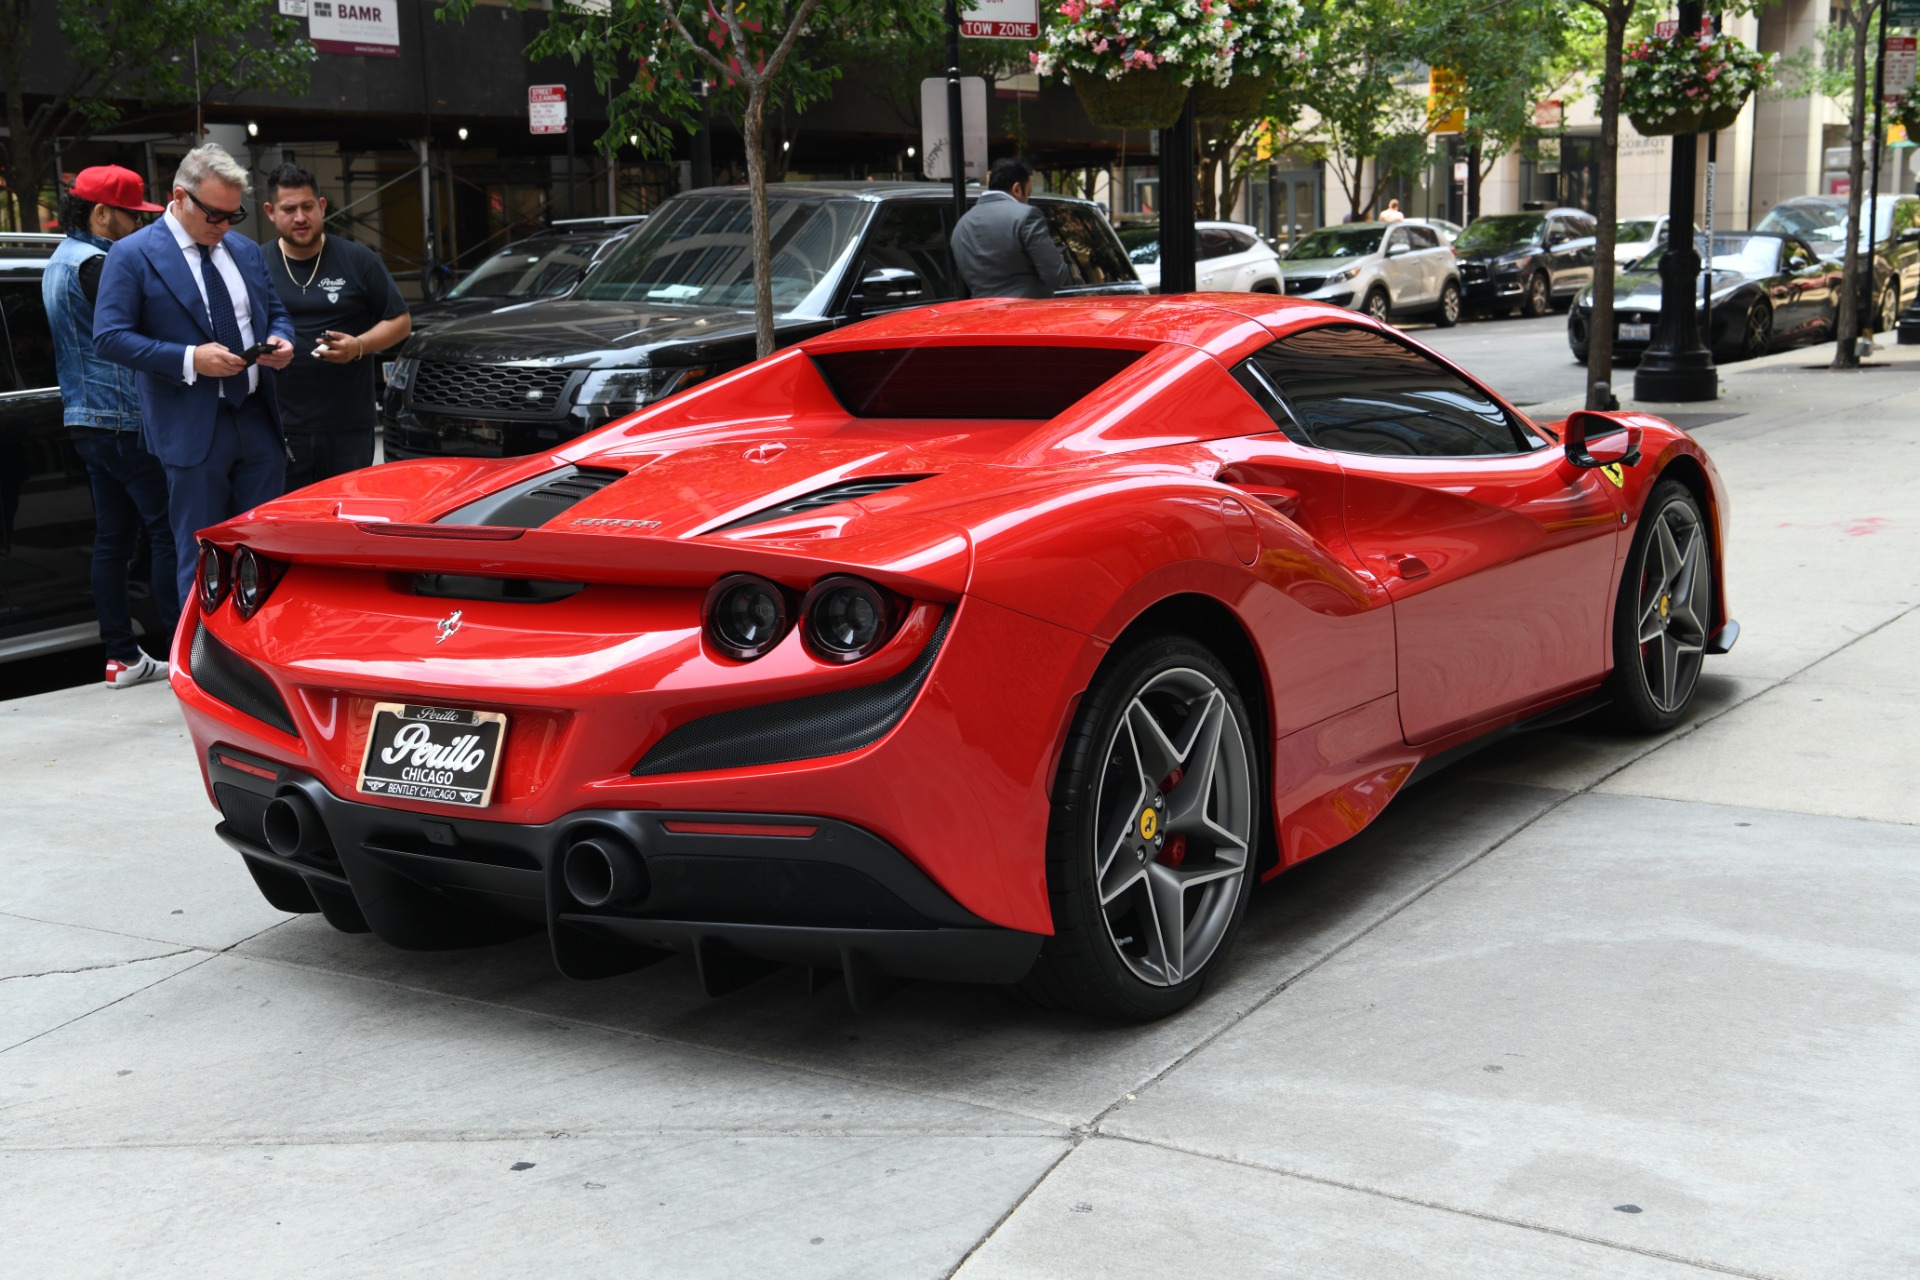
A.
pixel 470 388
pixel 532 503
pixel 826 724
pixel 845 491
pixel 1304 284
pixel 244 811
pixel 225 675
pixel 788 891
pixel 969 382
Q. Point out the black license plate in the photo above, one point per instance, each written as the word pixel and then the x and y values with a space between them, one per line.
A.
pixel 443 754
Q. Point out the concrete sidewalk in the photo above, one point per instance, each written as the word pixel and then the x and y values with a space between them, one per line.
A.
pixel 1583 1005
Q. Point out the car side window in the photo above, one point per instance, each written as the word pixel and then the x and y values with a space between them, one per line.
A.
pixel 1357 391
pixel 1092 251
pixel 1214 243
pixel 909 244
pixel 1557 232
pixel 1422 237
pixel 28 335
pixel 1239 241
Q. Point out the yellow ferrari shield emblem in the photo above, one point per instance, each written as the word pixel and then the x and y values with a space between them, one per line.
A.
pixel 1614 472
pixel 1149 824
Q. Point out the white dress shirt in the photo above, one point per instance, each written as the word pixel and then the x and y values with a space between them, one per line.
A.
pixel 236 289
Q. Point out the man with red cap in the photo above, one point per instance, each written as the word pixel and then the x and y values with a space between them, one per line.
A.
pixel 102 412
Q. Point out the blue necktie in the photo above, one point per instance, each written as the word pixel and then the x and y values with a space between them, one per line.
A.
pixel 226 326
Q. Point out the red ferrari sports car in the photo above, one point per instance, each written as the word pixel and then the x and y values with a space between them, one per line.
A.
pixel 1001 642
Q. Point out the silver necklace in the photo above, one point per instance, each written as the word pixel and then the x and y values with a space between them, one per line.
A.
pixel 311 275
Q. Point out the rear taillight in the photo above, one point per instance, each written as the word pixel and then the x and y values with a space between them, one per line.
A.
pixel 254 578
pixel 212 577
pixel 844 619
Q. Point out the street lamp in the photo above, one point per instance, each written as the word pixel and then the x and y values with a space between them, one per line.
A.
pixel 253 128
pixel 1678 365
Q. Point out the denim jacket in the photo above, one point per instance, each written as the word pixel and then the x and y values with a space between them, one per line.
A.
pixel 95 392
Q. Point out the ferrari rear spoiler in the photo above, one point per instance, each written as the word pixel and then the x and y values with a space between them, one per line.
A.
pixel 915 558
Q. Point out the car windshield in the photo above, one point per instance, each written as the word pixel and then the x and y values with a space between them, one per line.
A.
pixel 1339 242
pixel 1749 254
pixel 1823 222
pixel 537 268
pixel 1637 229
pixel 697 251
pixel 1142 245
pixel 1509 231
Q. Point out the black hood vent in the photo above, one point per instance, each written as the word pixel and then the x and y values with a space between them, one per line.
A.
pixel 532 503
pixel 845 491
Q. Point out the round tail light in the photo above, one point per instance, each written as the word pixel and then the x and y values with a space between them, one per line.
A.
pixel 212 577
pixel 253 578
pixel 845 619
pixel 745 616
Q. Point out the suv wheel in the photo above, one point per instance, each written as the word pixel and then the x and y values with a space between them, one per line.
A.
pixel 1538 300
pixel 1447 314
pixel 1378 305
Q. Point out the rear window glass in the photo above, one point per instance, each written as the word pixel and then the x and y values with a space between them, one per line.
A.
pixel 969 382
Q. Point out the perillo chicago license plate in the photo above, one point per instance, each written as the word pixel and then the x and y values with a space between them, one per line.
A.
pixel 443 754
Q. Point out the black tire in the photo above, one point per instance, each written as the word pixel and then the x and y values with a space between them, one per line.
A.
pixel 1447 314
pixel 1537 297
pixel 1101 958
pixel 1663 616
pixel 1756 332
pixel 1887 316
pixel 1377 304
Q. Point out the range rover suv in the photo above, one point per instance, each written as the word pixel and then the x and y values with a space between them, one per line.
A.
pixel 673 305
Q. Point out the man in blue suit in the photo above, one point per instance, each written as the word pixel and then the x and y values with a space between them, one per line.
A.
pixel 180 301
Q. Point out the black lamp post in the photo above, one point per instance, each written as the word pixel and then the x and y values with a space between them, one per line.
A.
pixel 1678 366
pixel 1178 271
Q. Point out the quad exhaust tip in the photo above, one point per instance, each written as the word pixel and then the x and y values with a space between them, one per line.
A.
pixel 602 869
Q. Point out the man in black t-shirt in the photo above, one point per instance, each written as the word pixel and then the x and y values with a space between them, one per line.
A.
pixel 345 308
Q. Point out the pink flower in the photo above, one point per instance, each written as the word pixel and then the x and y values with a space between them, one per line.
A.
pixel 1100 45
pixel 1072 9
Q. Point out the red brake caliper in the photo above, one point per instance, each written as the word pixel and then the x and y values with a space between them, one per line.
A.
pixel 1174 851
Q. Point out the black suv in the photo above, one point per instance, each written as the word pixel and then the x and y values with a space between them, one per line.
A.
pixel 1525 261
pixel 673 305
pixel 550 263
pixel 46 503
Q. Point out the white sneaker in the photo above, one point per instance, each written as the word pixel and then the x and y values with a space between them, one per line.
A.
pixel 122 675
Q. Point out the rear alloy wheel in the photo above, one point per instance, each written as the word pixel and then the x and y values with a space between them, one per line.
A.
pixel 1378 305
pixel 1150 847
pixel 1887 314
pixel 1448 313
pixel 1756 336
pixel 1537 301
pixel 1665 607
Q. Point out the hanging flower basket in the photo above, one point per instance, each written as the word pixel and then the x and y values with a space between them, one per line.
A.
pixel 1136 100
pixel 1905 112
pixel 1235 102
pixel 1690 84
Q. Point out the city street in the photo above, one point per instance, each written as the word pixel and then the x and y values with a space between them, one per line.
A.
pixel 1583 1004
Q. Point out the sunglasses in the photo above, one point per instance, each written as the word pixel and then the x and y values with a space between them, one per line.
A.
pixel 232 217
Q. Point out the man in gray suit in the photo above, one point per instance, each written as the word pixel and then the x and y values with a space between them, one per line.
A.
pixel 1002 245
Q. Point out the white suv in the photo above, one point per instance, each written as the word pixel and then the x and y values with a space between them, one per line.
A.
pixel 1390 270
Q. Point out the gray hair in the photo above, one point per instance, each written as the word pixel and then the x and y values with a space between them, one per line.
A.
pixel 211 161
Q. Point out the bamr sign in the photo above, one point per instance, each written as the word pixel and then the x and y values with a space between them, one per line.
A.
pixel 370 29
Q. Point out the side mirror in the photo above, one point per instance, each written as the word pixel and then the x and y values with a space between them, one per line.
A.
pixel 885 285
pixel 1397 248
pixel 1600 440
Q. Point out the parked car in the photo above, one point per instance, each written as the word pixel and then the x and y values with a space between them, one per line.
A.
pixel 1525 261
pixel 672 306
pixel 548 264
pixel 1389 270
pixel 1228 256
pixel 1768 290
pixel 1449 231
pixel 1635 238
pixel 46 503
pixel 1003 644
pixel 1822 221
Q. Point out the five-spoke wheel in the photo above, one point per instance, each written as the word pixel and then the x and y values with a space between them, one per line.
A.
pixel 1665 609
pixel 1151 850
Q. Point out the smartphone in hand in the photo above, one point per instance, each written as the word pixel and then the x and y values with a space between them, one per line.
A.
pixel 257 350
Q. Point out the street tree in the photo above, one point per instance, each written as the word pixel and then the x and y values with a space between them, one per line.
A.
pixel 123 61
pixel 1356 80
pixel 1615 15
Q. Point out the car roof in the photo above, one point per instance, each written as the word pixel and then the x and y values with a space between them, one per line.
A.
pixel 27 248
pixel 873 191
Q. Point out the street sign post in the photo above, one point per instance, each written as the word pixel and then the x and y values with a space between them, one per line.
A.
pixel 1000 19
pixel 1903 58
pixel 546 108
pixel 1903 13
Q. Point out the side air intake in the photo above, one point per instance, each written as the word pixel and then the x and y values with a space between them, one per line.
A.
pixel 845 491
pixel 532 503
pixel 827 724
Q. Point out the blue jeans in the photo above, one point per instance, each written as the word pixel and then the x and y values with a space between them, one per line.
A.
pixel 246 466
pixel 129 492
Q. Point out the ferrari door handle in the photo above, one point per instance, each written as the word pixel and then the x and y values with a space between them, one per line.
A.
pixel 1411 566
